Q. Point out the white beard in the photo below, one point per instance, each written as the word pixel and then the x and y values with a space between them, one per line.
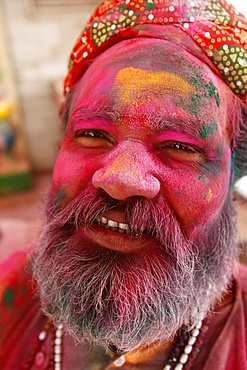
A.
pixel 132 300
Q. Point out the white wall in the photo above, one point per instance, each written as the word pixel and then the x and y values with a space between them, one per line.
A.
pixel 39 50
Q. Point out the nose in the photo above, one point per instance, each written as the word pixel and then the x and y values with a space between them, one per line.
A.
pixel 126 174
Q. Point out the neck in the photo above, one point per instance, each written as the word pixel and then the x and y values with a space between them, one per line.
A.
pixel 151 357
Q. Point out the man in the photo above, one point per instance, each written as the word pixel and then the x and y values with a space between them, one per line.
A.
pixel 136 267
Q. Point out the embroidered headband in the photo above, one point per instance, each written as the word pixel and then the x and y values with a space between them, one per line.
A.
pixel 215 26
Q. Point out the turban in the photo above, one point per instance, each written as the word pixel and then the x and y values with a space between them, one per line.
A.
pixel 215 28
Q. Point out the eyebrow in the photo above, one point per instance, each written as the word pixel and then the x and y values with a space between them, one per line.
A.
pixel 156 123
pixel 89 113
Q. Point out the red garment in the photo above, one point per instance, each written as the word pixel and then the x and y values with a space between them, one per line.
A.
pixel 223 347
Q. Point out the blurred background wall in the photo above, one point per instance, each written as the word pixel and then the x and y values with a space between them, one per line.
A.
pixel 38 36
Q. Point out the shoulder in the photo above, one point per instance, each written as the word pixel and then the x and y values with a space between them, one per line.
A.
pixel 240 283
pixel 241 278
pixel 16 291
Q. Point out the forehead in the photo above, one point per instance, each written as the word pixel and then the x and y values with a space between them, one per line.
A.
pixel 152 55
pixel 152 77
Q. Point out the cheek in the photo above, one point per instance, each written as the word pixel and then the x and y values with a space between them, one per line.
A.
pixel 197 198
pixel 72 173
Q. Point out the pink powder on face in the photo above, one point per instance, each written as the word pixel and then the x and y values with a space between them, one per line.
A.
pixel 139 162
pixel 191 138
pixel 125 175
pixel 70 168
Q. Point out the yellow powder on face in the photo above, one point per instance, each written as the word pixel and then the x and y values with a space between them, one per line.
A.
pixel 122 164
pixel 137 86
pixel 209 194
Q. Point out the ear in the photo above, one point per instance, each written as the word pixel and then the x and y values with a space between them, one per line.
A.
pixel 239 155
pixel 61 109
pixel 67 106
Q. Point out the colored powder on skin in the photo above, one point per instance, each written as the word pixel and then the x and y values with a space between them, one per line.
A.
pixel 201 177
pixel 9 297
pixel 212 168
pixel 135 85
pixel 203 89
pixel 234 167
pixel 117 167
pixel 60 196
pixel 194 108
pixel 209 89
pixel 217 97
pixel 208 130
pixel 213 93
pixel 209 195
pixel 23 290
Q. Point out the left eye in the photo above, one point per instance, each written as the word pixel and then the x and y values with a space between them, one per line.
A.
pixel 181 146
pixel 182 151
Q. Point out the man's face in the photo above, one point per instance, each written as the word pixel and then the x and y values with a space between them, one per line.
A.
pixel 140 221
pixel 147 128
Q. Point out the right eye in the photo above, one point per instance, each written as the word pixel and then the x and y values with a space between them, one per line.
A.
pixel 94 138
pixel 91 133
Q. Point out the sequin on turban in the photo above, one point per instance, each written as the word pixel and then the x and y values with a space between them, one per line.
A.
pixel 215 26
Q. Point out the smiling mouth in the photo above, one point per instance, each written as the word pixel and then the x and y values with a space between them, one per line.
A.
pixel 113 225
pixel 118 236
pixel 119 227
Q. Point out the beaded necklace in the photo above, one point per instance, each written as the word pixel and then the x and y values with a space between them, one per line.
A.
pixel 183 352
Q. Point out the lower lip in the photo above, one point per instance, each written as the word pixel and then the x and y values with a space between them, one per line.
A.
pixel 119 242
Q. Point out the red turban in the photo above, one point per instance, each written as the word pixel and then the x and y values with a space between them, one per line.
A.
pixel 216 27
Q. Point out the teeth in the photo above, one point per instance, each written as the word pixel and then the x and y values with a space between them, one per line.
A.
pixel 113 225
pixel 118 227
pixel 121 231
pixel 123 226
pixel 103 220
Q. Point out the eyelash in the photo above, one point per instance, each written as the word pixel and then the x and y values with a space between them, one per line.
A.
pixel 90 133
pixel 181 146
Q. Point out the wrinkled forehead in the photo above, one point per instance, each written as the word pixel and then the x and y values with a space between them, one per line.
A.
pixel 141 66
pixel 151 55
